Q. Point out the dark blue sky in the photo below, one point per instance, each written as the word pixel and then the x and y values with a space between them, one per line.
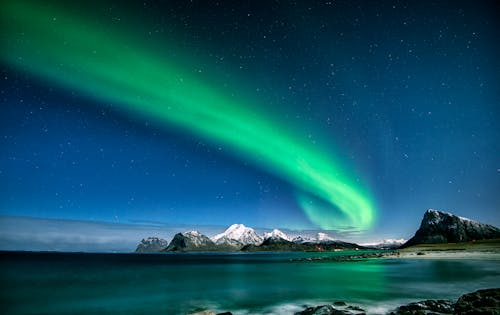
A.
pixel 407 92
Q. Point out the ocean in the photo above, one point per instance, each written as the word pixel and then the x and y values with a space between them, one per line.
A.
pixel 243 283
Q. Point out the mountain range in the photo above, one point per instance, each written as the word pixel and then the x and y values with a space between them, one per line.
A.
pixel 240 237
pixel 436 227
pixel 386 244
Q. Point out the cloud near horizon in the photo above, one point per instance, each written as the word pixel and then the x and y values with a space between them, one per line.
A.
pixel 37 234
pixel 41 234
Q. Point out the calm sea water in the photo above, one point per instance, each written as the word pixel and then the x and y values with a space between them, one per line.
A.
pixel 257 283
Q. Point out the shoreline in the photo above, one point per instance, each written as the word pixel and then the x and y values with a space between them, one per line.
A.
pixel 483 301
pixel 483 250
pixel 458 255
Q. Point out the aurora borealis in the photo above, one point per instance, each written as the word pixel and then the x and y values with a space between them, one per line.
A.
pixel 140 83
pixel 351 157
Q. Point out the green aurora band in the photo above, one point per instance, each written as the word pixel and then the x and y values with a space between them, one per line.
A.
pixel 75 54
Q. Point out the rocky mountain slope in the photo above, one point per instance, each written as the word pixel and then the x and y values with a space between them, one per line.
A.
pixel 191 241
pixel 330 245
pixel 277 233
pixel 275 244
pixel 442 227
pixel 151 245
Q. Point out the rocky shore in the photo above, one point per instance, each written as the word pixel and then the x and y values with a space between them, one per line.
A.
pixel 359 257
pixel 483 302
pixel 486 302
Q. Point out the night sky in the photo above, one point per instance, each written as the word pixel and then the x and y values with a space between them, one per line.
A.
pixel 339 115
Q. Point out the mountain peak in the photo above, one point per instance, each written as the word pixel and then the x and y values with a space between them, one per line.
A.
pixel 321 237
pixel 151 244
pixel 238 233
pixel 192 233
pixel 191 241
pixel 276 234
pixel 443 227
pixel 237 226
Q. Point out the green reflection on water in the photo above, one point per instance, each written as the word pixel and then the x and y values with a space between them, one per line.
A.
pixel 175 284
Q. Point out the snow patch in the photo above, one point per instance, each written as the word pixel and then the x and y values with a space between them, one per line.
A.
pixel 323 237
pixel 277 234
pixel 389 241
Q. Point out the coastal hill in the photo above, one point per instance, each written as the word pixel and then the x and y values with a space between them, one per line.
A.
pixel 438 227
pixel 275 243
pixel 151 244
pixel 191 241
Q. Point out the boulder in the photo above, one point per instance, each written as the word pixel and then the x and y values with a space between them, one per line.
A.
pixel 206 312
pixel 479 302
pixel 425 307
pixel 318 310
pixel 326 310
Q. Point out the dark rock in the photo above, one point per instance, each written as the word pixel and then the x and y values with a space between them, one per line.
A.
pixel 202 312
pixel 441 227
pixel 151 245
pixel 225 313
pixel 482 302
pixel 274 244
pixel 479 302
pixel 426 307
pixel 355 308
pixel 318 310
pixel 309 310
pixel 327 310
pixel 329 245
pixel 342 258
pixel 250 248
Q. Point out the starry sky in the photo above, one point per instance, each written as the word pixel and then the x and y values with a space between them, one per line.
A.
pixel 348 116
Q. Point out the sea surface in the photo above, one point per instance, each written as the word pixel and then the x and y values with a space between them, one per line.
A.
pixel 252 283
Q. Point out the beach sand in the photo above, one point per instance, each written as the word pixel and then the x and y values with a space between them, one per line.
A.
pixel 486 249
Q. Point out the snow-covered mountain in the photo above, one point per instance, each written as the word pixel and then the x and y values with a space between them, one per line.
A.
pixel 238 234
pixel 276 234
pixel 386 244
pixel 299 239
pixel 323 237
